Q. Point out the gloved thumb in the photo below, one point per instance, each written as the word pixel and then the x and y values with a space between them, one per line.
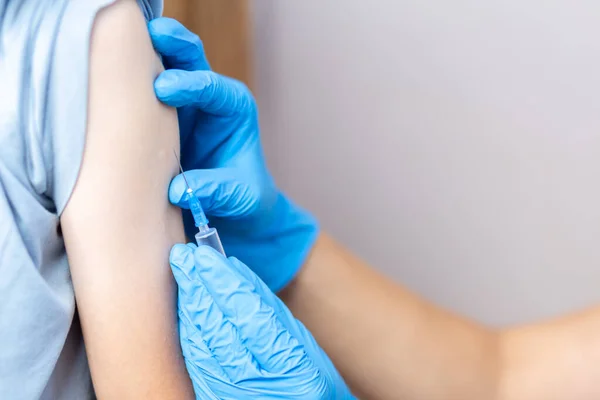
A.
pixel 220 192
pixel 181 260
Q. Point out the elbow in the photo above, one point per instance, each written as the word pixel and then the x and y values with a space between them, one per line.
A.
pixel 493 368
pixel 509 379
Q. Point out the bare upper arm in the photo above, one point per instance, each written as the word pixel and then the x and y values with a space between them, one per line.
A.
pixel 118 225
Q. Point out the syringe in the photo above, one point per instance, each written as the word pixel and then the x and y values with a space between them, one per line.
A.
pixel 206 235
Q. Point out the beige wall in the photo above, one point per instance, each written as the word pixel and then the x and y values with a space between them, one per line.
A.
pixel 453 144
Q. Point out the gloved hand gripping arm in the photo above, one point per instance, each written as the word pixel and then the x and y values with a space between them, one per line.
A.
pixel 222 155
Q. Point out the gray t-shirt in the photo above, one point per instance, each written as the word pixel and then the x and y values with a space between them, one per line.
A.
pixel 44 53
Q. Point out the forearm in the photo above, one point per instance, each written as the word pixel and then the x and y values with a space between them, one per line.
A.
pixel 387 342
pixel 552 361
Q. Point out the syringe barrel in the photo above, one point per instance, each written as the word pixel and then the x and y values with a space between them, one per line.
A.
pixel 210 237
pixel 196 209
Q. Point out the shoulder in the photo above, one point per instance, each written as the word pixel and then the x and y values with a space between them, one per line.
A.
pixel 99 42
pixel 119 27
pixel 120 44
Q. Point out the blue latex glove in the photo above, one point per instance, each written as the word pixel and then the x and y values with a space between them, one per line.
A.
pixel 220 143
pixel 239 340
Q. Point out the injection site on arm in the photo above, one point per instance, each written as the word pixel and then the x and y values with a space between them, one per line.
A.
pixel 206 235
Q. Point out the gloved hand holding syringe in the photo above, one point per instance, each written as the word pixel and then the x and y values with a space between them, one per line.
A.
pixel 206 235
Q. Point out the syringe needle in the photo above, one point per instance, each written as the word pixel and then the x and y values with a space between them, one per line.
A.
pixel 181 168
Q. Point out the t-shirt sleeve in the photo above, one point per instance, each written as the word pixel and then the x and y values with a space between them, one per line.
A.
pixel 67 94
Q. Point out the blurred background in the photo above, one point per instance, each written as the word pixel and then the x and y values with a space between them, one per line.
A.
pixel 453 145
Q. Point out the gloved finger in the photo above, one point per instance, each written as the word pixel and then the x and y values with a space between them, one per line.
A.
pixel 209 380
pixel 206 90
pixel 197 304
pixel 268 296
pixel 181 259
pixel 192 344
pixel 263 334
pixel 179 47
pixel 201 361
pixel 294 326
pixel 261 288
pixel 297 329
pixel 219 190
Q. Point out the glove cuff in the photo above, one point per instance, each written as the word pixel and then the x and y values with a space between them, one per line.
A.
pixel 296 233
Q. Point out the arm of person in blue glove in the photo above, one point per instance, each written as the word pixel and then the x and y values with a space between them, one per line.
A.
pixel 119 227
pixel 389 343
pixel 239 340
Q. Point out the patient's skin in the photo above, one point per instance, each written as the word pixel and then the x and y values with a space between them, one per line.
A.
pixel 119 226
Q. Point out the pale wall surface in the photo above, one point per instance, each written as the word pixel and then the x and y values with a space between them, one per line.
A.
pixel 454 145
